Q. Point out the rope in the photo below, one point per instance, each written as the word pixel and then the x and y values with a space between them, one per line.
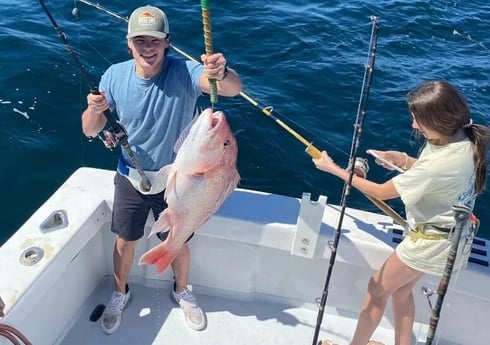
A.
pixel 13 335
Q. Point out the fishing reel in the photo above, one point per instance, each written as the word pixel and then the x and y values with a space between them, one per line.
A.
pixel 113 137
pixel 361 167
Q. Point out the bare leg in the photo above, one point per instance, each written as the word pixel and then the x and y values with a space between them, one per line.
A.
pixel 392 276
pixel 180 266
pixel 123 257
pixel 404 313
pixel 372 311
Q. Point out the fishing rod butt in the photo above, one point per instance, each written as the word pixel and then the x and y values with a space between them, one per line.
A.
pixel 313 151
pixel 145 185
pixel 461 212
pixel 388 211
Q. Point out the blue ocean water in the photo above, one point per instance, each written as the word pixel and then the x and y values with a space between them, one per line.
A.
pixel 307 60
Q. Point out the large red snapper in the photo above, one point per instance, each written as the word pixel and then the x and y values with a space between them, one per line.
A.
pixel 198 182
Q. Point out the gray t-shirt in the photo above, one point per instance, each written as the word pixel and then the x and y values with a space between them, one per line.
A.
pixel 154 111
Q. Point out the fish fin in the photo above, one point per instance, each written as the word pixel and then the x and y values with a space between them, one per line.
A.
pixel 185 132
pixel 161 256
pixel 171 182
pixel 164 170
pixel 162 224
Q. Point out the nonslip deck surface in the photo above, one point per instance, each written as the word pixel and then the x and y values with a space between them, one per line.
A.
pixel 152 317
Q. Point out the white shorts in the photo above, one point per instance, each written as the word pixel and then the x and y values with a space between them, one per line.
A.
pixel 430 256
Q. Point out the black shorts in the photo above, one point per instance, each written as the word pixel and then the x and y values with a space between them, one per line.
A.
pixel 131 209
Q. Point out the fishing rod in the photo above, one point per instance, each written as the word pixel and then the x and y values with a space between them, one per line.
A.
pixel 361 111
pixel 269 112
pixel 118 132
pixel 208 44
pixel 266 110
pixel 462 214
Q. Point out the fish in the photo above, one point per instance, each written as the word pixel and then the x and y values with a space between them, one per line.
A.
pixel 204 173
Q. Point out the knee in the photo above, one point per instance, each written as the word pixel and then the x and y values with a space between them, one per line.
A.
pixel 123 245
pixel 376 290
pixel 185 250
pixel 403 293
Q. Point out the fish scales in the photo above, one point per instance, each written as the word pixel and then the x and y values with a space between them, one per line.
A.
pixel 202 176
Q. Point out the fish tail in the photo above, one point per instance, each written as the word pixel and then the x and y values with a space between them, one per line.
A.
pixel 161 256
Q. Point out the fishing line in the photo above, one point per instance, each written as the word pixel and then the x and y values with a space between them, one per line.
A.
pixel 469 38
pixel 76 13
pixel 265 109
pixel 118 130
pixel 99 7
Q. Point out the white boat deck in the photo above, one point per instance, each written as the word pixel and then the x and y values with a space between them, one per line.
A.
pixel 257 267
pixel 152 317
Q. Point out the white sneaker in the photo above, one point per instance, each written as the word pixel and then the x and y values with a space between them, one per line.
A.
pixel 111 318
pixel 194 316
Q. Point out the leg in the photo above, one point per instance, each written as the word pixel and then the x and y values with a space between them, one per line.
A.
pixel 180 266
pixel 129 215
pixel 392 276
pixel 194 316
pixel 123 257
pixel 128 219
pixel 181 263
pixel 404 313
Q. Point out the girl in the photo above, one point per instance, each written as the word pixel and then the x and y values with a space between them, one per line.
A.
pixel 451 169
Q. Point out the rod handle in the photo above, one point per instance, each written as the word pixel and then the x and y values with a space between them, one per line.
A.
pixel 208 44
pixel 313 151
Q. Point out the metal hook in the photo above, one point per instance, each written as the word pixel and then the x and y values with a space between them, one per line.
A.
pixel 427 292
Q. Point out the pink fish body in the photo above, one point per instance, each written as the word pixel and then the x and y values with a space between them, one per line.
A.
pixel 202 176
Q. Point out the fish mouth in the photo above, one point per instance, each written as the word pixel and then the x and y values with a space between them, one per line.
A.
pixel 216 119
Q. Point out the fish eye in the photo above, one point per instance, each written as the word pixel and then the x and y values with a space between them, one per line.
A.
pixel 227 143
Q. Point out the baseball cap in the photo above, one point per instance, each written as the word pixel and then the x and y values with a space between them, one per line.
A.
pixel 148 21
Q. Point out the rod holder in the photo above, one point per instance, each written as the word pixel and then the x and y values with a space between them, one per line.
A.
pixel 308 226
pixel 56 220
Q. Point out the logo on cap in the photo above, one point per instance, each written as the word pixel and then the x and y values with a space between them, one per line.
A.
pixel 146 19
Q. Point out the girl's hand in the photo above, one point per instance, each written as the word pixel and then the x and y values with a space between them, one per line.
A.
pixel 325 163
pixel 397 158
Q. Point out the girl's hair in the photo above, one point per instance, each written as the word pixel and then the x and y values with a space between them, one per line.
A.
pixel 441 107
